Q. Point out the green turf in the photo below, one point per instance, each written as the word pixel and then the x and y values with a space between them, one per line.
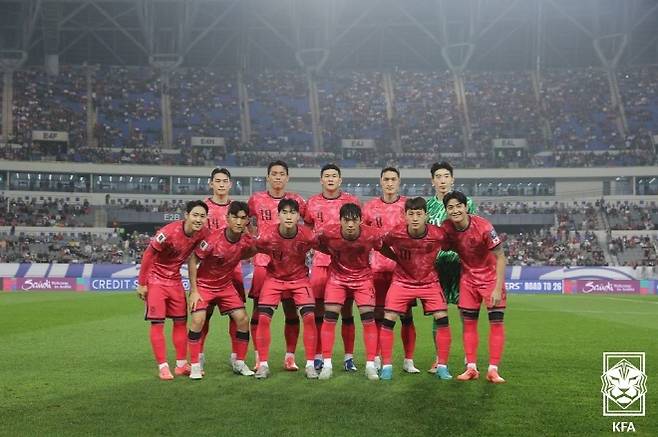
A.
pixel 80 364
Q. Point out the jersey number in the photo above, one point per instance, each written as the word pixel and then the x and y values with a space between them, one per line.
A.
pixel 405 254
pixel 265 214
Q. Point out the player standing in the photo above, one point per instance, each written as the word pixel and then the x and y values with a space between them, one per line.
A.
pixel 286 275
pixel 263 207
pixel 385 213
pixel 482 279
pixel 212 284
pixel 415 245
pixel 321 210
pixel 218 203
pixel 350 280
pixel 447 262
pixel 161 287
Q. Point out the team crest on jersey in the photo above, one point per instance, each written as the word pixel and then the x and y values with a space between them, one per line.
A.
pixel 495 239
pixel 160 238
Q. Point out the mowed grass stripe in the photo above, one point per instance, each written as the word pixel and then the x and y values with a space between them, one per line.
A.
pixel 81 364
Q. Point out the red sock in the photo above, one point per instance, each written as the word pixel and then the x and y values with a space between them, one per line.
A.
pixel 309 335
pixel 386 340
pixel 291 333
pixel 348 332
pixel 264 336
pixel 204 334
pixel 328 333
pixel 443 340
pixel 378 323
pixel 496 342
pixel 470 338
pixel 242 344
pixel 232 329
pixel 318 335
pixel 253 327
pixel 158 342
pixel 370 338
pixel 408 335
pixel 194 345
pixel 179 334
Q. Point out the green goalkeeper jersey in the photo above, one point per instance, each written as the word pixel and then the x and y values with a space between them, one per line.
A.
pixel 447 262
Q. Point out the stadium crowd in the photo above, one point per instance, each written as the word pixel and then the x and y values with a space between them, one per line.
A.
pixel 572 124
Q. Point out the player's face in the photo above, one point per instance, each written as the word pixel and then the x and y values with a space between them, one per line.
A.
pixel 196 219
pixel 277 177
pixel 457 211
pixel 237 223
pixel 390 182
pixel 350 226
pixel 416 219
pixel 288 217
pixel 220 185
pixel 330 181
pixel 442 181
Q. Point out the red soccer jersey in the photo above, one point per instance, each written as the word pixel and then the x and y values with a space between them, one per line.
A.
pixel 474 245
pixel 288 255
pixel 264 207
pixel 173 248
pixel 219 257
pixel 321 212
pixel 349 258
pixel 216 214
pixel 384 216
pixel 415 266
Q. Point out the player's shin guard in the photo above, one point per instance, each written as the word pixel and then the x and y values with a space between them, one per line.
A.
pixel 194 345
pixel 264 337
pixel 408 335
pixel 443 339
pixel 348 332
pixel 204 333
pixel 253 327
pixel 179 334
pixel 291 333
pixel 328 333
pixel 241 344
pixel 386 339
pixel 378 323
pixel 470 336
pixel 310 332
pixel 496 336
pixel 369 334
pixel 158 344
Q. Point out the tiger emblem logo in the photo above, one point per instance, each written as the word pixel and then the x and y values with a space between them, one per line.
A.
pixel 624 384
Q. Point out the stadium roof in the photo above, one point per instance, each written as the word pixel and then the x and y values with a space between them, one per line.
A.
pixel 333 34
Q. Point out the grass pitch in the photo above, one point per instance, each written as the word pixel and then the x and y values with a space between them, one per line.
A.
pixel 81 364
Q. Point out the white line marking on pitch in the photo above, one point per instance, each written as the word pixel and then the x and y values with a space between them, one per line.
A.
pixel 631 300
pixel 647 313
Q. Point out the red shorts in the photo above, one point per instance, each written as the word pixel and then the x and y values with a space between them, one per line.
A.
pixel 257 280
pixel 274 290
pixel 165 299
pixel 319 277
pixel 381 281
pixel 227 299
pixel 471 295
pixel 400 297
pixel 238 281
pixel 336 293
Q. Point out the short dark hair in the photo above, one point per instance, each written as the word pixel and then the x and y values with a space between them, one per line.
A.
pixel 290 203
pixel 461 198
pixel 236 206
pixel 189 206
pixel 393 169
pixel 350 211
pixel 275 163
pixel 219 170
pixel 331 166
pixel 415 203
pixel 440 165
